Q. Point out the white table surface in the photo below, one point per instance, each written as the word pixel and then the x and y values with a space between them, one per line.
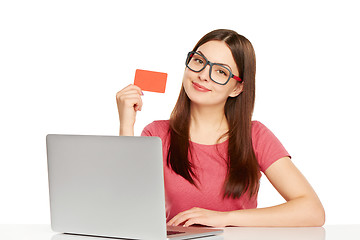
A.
pixel 328 232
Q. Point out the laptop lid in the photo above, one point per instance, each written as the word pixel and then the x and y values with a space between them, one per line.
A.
pixel 106 186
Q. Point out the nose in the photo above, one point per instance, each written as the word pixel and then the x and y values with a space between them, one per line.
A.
pixel 204 75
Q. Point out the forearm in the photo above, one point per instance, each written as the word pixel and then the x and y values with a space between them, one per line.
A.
pixel 300 212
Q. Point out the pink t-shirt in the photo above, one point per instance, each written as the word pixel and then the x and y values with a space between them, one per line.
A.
pixel 210 167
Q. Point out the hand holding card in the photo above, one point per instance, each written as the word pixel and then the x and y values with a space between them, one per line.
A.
pixel 150 81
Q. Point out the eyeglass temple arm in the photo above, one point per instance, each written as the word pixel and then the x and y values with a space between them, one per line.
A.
pixel 237 78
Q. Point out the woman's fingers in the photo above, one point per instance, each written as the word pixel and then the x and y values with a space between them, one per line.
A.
pixel 199 216
pixel 130 88
pixel 184 216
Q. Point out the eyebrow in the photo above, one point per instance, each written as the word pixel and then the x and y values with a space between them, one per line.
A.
pixel 216 63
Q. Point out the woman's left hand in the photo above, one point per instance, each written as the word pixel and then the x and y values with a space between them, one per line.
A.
pixel 199 216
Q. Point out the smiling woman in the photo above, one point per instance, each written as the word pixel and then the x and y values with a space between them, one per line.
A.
pixel 214 153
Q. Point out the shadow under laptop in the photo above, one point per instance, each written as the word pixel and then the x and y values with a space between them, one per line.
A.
pixel 65 236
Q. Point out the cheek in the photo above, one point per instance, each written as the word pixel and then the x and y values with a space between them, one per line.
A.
pixel 186 82
pixel 230 87
pixel 222 90
pixel 188 74
pixel 188 77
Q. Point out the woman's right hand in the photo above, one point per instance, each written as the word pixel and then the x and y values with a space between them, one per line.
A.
pixel 128 102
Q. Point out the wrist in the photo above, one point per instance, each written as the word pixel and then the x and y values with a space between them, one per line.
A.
pixel 232 218
pixel 126 131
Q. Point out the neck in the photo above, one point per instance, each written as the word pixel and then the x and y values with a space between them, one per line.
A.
pixel 207 116
pixel 207 121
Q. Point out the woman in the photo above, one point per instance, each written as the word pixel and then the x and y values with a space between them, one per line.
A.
pixel 213 151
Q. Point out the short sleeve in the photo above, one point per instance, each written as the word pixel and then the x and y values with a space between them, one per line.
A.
pixel 267 147
pixel 146 132
pixel 157 128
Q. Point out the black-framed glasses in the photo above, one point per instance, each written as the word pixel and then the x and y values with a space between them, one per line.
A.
pixel 218 73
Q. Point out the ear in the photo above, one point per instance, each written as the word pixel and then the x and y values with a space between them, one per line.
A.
pixel 237 90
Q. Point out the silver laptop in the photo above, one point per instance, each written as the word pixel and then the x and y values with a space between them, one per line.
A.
pixel 110 186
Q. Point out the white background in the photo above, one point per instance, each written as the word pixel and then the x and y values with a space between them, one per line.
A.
pixel 62 62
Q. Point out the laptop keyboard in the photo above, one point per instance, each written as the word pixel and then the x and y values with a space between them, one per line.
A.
pixel 173 232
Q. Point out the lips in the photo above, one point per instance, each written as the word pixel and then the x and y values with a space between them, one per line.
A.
pixel 200 87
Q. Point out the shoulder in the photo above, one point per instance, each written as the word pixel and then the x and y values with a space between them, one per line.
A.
pixel 260 132
pixel 157 128
pixel 257 127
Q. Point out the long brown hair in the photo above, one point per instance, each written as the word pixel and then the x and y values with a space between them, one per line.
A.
pixel 243 171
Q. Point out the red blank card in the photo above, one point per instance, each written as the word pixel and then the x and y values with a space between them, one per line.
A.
pixel 150 81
